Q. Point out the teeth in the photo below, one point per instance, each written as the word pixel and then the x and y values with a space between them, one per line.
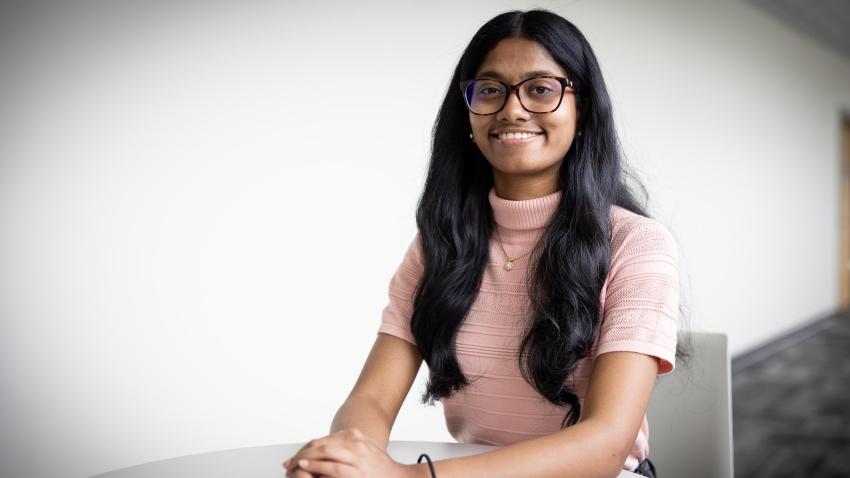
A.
pixel 517 135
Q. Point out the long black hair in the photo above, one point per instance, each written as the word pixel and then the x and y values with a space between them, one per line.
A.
pixel 455 221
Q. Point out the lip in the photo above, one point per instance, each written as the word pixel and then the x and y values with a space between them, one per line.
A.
pixel 516 140
pixel 499 131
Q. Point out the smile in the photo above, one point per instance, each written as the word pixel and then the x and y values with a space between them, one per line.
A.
pixel 514 138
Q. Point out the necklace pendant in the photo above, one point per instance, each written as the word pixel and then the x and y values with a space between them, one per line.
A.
pixel 509 264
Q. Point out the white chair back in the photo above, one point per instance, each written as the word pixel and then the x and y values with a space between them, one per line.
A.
pixel 690 414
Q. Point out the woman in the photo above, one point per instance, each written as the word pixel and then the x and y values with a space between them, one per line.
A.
pixel 538 292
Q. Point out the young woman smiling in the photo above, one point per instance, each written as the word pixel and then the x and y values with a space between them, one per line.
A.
pixel 541 296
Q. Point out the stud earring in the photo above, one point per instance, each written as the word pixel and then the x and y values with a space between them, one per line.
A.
pixel 579 133
pixel 470 137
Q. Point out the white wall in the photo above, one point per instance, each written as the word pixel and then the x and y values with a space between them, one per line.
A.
pixel 201 205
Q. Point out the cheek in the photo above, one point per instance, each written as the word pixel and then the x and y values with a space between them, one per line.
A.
pixel 479 129
pixel 562 132
pixel 477 125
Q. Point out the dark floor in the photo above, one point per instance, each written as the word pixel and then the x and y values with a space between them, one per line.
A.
pixel 791 409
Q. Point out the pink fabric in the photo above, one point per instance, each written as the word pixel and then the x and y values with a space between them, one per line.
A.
pixel 639 300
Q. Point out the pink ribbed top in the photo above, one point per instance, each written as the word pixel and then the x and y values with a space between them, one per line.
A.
pixel 639 300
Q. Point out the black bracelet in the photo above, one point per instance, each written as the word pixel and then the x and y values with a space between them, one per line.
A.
pixel 430 465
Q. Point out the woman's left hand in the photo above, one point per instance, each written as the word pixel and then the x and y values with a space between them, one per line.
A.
pixel 350 454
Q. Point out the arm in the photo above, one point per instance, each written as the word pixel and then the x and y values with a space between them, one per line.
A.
pixel 644 266
pixel 373 404
pixel 390 369
pixel 597 445
pixel 386 378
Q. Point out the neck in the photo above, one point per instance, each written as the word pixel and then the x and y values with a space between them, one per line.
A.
pixel 520 222
pixel 519 189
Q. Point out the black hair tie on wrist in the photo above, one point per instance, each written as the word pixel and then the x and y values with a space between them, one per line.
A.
pixel 430 465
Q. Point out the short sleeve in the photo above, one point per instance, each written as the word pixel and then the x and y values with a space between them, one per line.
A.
pixel 641 296
pixel 395 318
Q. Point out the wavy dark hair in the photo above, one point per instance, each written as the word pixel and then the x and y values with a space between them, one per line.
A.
pixel 455 221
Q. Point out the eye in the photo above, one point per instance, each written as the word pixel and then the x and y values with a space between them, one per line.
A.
pixel 542 87
pixel 488 91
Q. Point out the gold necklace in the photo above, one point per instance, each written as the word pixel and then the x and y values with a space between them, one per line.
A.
pixel 509 259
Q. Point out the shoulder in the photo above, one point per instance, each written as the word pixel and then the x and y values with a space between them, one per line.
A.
pixel 633 234
pixel 413 260
pixel 415 247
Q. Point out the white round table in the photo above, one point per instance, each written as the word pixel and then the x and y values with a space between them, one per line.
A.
pixel 265 461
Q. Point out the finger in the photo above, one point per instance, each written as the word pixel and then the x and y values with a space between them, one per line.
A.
pixel 348 438
pixel 332 469
pixel 303 474
pixel 300 473
pixel 290 463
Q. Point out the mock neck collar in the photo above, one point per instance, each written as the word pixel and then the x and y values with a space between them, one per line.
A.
pixel 521 222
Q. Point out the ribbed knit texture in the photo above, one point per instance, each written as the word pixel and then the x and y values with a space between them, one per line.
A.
pixel 639 301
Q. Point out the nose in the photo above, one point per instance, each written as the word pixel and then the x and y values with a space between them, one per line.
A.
pixel 513 109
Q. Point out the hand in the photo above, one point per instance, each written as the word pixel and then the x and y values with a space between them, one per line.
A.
pixel 348 454
pixel 291 464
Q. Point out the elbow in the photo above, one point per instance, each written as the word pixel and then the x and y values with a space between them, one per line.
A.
pixel 617 449
pixel 611 466
pixel 623 446
pixel 611 443
pixel 617 467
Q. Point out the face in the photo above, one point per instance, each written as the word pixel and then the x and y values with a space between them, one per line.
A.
pixel 538 157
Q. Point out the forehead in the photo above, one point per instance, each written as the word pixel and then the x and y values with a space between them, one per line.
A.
pixel 514 59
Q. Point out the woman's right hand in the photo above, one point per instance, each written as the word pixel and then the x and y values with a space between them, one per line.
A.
pixel 291 465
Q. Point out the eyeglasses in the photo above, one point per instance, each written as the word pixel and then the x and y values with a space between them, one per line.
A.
pixel 541 94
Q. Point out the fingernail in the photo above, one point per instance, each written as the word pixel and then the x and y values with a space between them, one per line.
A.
pixel 303 462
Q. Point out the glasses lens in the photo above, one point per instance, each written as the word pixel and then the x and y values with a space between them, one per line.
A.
pixel 537 95
pixel 541 95
pixel 485 96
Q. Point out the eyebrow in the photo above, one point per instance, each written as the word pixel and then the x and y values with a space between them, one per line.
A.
pixel 530 74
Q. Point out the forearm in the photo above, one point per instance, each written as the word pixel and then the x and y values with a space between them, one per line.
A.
pixel 585 450
pixel 366 415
